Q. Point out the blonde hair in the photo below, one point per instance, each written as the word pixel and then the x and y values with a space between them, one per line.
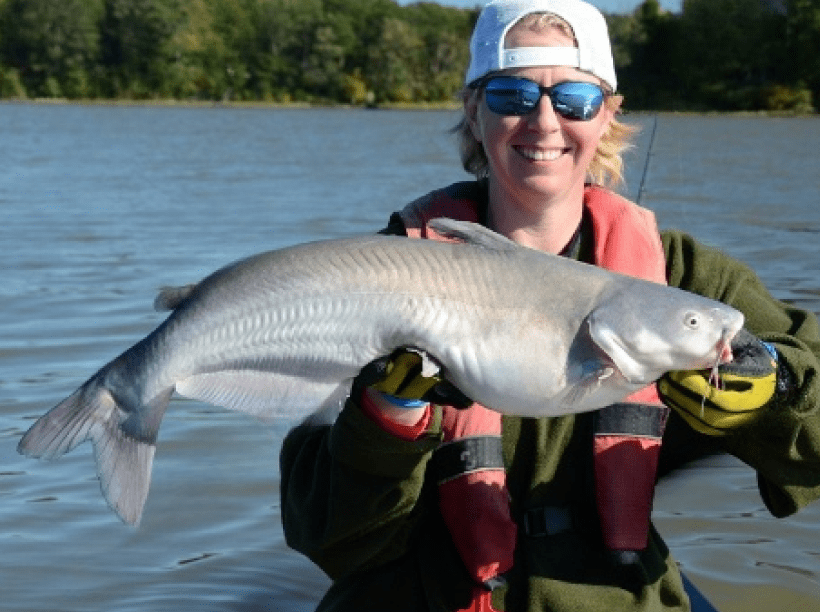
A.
pixel 606 167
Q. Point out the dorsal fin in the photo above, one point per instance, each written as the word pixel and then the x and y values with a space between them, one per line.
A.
pixel 472 233
pixel 170 298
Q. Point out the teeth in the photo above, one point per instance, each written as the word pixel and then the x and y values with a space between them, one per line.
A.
pixel 541 154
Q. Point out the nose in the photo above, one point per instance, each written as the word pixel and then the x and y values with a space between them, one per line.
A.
pixel 543 117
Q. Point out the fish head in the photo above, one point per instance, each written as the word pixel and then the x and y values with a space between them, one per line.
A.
pixel 648 331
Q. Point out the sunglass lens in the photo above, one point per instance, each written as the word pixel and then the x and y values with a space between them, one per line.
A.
pixel 580 101
pixel 510 96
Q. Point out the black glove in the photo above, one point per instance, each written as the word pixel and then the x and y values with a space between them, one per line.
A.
pixel 717 405
pixel 399 377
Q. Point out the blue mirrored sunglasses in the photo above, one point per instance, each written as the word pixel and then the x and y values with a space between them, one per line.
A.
pixel 506 95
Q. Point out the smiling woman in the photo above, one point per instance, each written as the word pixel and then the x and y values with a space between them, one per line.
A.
pixel 540 157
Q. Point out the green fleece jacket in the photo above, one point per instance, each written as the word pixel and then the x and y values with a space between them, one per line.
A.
pixel 358 501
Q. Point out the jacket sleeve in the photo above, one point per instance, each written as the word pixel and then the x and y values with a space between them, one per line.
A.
pixel 783 446
pixel 350 491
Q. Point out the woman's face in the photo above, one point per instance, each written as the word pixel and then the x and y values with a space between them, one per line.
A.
pixel 541 157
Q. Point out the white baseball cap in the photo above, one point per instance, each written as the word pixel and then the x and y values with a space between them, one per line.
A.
pixel 593 53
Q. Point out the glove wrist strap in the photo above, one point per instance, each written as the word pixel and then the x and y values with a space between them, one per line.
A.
pixel 401 402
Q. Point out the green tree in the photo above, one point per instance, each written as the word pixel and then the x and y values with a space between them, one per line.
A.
pixel 214 46
pixel 323 72
pixel 285 35
pixel 445 33
pixel 51 45
pixel 135 36
pixel 394 59
pixel 625 35
pixel 803 44
pixel 193 47
pixel 10 84
pixel 646 50
pixel 733 50
pixel 362 21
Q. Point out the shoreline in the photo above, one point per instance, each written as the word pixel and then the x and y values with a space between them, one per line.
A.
pixel 404 106
pixel 171 102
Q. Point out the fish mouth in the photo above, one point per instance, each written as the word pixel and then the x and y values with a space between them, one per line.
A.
pixel 723 354
pixel 723 349
pixel 731 327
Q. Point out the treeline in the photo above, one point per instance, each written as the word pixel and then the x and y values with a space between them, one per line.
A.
pixel 715 54
pixel 720 55
pixel 353 51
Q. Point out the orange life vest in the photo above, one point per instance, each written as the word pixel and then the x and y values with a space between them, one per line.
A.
pixel 626 240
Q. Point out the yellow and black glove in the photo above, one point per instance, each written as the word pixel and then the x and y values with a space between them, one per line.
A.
pixel 743 387
pixel 399 377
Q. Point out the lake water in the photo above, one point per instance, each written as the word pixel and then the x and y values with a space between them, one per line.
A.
pixel 100 206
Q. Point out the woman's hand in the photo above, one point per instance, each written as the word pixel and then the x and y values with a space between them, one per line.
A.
pixel 399 380
pixel 716 405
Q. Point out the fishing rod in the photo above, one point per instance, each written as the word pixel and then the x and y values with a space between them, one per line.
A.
pixel 648 158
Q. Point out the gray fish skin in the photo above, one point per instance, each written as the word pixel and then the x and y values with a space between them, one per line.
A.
pixel 282 334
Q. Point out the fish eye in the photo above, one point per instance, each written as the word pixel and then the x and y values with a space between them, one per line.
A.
pixel 692 320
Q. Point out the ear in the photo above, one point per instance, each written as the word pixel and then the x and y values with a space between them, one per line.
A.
pixel 613 103
pixel 472 100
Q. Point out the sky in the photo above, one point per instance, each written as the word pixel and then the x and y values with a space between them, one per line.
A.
pixel 606 6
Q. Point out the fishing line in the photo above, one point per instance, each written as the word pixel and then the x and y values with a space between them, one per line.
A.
pixel 648 157
pixel 714 375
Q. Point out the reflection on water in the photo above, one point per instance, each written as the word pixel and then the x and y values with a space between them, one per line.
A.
pixel 101 206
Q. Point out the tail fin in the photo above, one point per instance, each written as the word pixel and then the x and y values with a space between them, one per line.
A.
pixel 123 462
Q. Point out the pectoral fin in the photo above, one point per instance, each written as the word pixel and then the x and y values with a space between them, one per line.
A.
pixel 595 373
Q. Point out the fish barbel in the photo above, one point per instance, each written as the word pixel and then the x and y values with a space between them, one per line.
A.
pixel 283 333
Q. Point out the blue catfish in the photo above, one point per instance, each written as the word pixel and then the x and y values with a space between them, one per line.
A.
pixel 283 333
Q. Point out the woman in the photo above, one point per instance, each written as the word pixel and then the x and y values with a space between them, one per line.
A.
pixel 550 513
